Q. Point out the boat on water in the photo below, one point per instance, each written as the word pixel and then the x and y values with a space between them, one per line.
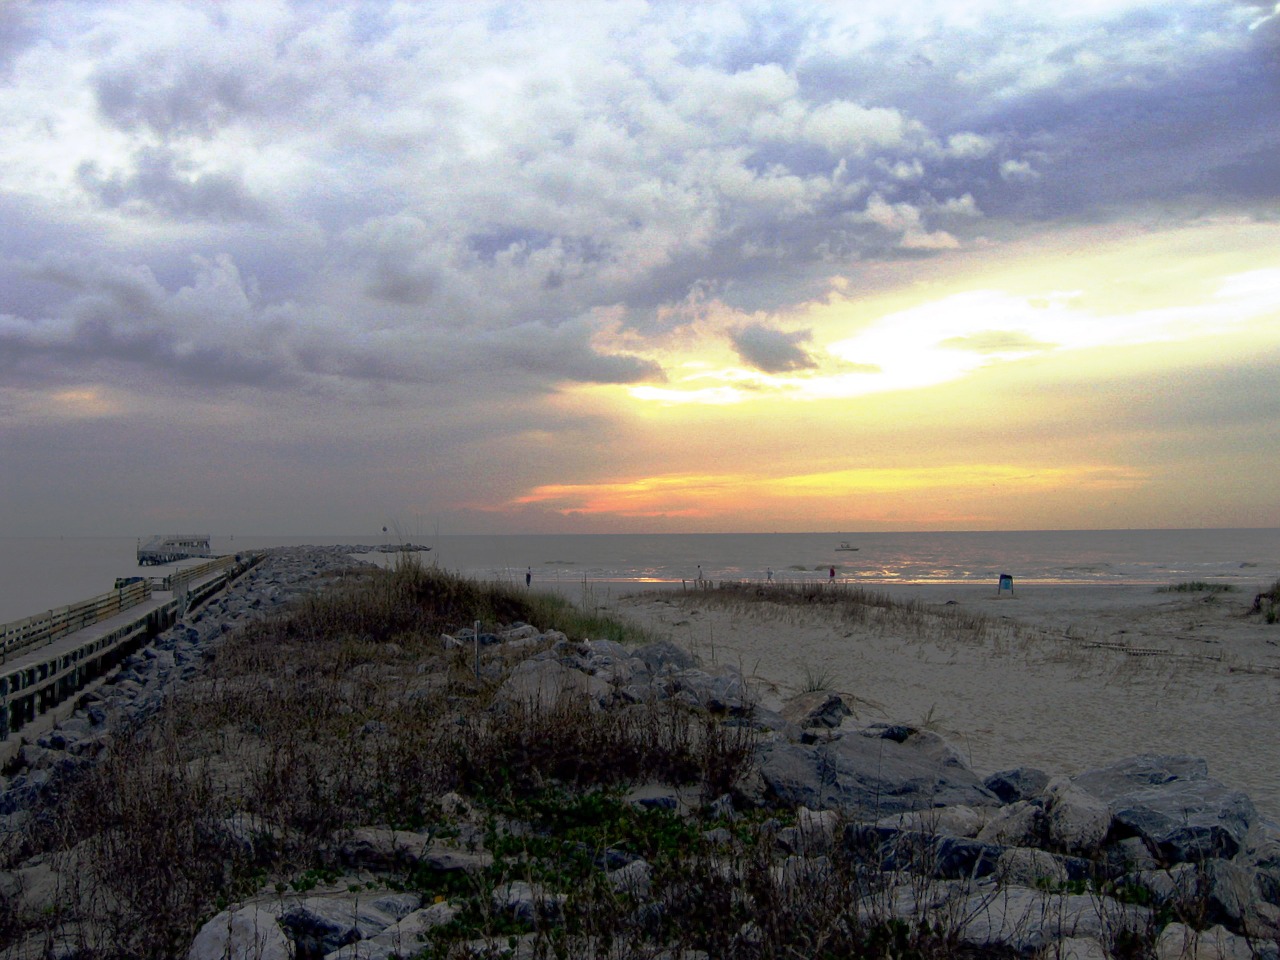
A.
pixel 846 546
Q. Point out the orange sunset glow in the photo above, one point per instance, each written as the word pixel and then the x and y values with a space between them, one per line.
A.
pixel 927 399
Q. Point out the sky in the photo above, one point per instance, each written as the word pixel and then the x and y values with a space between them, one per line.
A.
pixel 276 268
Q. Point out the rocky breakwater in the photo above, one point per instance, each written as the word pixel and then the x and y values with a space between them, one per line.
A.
pixel 144 680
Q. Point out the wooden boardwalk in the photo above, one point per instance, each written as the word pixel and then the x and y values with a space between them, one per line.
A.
pixel 42 674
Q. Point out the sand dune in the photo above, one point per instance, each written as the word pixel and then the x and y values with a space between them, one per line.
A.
pixel 1063 677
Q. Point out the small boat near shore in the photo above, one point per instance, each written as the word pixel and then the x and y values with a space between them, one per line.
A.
pixel 845 546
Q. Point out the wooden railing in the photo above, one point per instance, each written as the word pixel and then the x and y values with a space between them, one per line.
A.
pixel 179 580
pixel 40 679
pixel 58 622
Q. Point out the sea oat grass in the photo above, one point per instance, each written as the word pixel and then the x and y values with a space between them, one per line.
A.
pixel 1197 586
pixel 856 606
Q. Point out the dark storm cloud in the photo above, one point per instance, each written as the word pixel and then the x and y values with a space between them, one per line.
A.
pixel 773 351
pixel 171 96
pixel 110 317
pixel 217 331
pixel 113 316
pixel 561 354
pixel 162 183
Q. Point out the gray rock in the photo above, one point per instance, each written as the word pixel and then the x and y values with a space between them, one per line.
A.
pixel 320 925
pixel 242 933
pixel 448 859
pixel 871 773
pixel 1028 920
pixel 522 901
pixel 721 692
pixel 377 848
pixel 1130 854
pixel 1265 855
pixel 1170 802
pixel 1218 891
pixel 405 938
pixel 1028 867
pixel 1020 824
pixel 1180 942
pixel 541 684
pixel 960 858
pixel 522 632
pixel 817 709
pixel 809 873
pixel 1077 821
pixel 1021 783
pixel 635 879
pixel 663 653
pixel 814 832
pixel 608 651
pixel 1077 948
pixel 654 796
pixel 956 821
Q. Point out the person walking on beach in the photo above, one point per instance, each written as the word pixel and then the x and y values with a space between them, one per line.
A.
pixel 768 574
pixel 528 576
pixel 831 576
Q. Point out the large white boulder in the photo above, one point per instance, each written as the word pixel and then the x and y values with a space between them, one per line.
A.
pixel 242 933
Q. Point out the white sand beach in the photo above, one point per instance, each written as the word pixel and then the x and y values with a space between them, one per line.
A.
pixel 1064 678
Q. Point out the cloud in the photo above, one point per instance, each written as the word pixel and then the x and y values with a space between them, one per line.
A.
pixel 996 341
pixel 1018 170
pixel 563 354
pixel 970 146
pixel 162 183
pixel 214 331
pixel 906 222
pixel 773 351
pixel 846 128
pixel 17 31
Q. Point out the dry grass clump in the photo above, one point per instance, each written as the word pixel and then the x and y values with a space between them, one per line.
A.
pixel 528 748
pixel 1197 586
pixel 855 606
pixel 1267 603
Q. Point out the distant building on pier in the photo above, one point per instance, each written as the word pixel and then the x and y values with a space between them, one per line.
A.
pixel 168 547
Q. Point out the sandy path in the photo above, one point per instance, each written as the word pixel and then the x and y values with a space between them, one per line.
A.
pixel 1064 678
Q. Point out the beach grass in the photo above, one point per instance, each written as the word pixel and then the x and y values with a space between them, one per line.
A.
pixel 1197 586
pixel 852 605
pixel 1267 602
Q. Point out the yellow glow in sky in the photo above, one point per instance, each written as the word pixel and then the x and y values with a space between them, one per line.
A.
pixel 949 337
pixel 1038 380
pixel 73 403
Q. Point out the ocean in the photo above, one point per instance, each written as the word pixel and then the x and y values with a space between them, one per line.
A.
pixel 40 573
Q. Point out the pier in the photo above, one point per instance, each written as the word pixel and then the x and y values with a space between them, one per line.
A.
pixel 170 547
pixel 48 658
